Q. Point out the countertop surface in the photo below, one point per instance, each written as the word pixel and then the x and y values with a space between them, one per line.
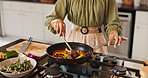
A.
pixel 104 66
pixel 120 6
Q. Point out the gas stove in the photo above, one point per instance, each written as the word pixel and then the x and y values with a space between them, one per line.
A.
pixel 99 66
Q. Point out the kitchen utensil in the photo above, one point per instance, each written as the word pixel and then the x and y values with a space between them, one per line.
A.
pixel 67 43
pixel 24 47
pixel 74 45
pixel 73 53
pixel 12 60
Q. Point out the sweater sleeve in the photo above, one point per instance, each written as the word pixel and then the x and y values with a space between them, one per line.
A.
pixel 111 17
pixel 59 12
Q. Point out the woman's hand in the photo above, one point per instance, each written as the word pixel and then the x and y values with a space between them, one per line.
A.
pixel 59 26
pixel 114 36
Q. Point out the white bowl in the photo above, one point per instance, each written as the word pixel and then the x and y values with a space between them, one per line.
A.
pixel 12 60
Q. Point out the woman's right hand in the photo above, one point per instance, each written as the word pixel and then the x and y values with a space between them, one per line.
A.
pixel 59 26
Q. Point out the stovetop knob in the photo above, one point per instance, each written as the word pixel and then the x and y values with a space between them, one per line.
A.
pixel 114 60
pixel 97 57
pixel 105 59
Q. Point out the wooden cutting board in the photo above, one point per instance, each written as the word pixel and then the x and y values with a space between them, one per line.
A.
pixel 35 48
pixel 144 72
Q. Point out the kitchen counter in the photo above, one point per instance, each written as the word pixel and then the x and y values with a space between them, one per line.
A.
pixel 104 66
pixel 120 6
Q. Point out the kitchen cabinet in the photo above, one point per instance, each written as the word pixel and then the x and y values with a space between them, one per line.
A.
pixel 12 23
pixel 11 18
pixel 140 46
pixel 50 37
pixel 27 19
pixel 32 24
pixel 23 19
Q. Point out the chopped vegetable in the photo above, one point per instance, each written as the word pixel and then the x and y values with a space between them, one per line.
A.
pixel 66 54
pixel 37 58
pixel 1 55
pixel 10 54
pixel 17 67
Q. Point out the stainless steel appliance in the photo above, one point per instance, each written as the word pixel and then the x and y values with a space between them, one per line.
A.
pixel 124 49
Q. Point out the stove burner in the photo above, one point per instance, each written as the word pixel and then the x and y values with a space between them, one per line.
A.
pixel 120 70
pixel 53 72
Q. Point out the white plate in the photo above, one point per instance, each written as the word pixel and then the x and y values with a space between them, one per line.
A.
pixel 12 60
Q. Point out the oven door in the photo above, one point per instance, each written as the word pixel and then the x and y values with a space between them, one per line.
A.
pixel 123 49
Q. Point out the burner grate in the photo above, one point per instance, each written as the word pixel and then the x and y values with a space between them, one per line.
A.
pixel 92 69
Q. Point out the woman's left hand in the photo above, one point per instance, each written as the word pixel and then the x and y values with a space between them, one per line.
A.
pixel 114 36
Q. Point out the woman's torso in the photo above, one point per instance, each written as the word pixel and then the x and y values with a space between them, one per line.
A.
pixel 87 12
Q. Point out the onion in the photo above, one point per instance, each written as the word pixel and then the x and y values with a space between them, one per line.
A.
pixel 37 58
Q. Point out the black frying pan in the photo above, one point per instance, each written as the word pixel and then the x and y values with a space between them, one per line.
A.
pixel 75 46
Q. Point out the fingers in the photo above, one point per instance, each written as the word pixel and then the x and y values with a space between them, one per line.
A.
pixel 64 30
pixel 110 41
pixel 116 41
pixel 124 38
pixel 119 42
pixel 59 26
pixel 56 28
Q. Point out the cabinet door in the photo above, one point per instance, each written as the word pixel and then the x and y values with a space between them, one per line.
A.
pixel 12 23
pixel 140 43
pixel 32 25
pixel 11 5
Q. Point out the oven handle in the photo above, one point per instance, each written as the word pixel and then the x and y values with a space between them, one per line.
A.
pixel 124 16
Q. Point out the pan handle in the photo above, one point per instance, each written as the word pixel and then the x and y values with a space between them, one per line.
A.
pixel 100 45
pixel 104 44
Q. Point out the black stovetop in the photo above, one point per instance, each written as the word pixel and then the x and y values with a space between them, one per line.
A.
pixel 100 66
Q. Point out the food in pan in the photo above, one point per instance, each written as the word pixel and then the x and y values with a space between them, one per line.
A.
pixel 17 67
pixel 66 54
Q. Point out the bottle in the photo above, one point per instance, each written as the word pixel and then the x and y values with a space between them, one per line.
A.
pixel 128 2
